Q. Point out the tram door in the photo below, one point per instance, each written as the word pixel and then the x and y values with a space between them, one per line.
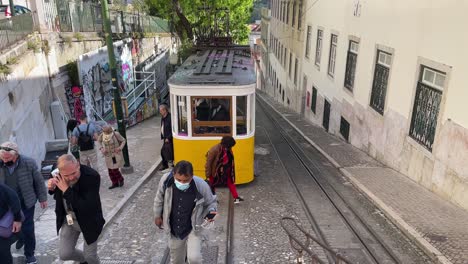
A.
pixel 326 115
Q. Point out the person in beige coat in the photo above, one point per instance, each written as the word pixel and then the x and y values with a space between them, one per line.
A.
pixel 112 144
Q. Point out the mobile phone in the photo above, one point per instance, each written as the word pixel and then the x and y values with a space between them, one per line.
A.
pixel 55 173
pixel 210 216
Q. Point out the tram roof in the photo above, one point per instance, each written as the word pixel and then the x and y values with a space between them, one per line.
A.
pixel 221 66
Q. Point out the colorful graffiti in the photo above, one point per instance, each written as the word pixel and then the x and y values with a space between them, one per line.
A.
pixel 148 109
pixel 75 101
pixel 96 79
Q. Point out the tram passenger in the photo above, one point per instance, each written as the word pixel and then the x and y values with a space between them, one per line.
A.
pixel 203 111
pixel 218 111
pixel 167 149
pixel 219 167
pixel 183 204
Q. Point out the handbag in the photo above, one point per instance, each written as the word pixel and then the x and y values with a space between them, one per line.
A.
pixel 6 224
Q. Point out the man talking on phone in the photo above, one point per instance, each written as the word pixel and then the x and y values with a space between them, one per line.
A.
pixel 183 204
pixel 78 208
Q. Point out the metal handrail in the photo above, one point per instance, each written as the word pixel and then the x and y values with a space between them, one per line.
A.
pixel 300 247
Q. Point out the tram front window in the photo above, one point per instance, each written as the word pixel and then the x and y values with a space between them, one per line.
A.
pixel 211 116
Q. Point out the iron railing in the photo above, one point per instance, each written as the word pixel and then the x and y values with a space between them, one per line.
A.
pixel 87 17
pixel 15 29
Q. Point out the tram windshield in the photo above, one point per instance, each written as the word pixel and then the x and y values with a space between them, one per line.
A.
pixel 211 116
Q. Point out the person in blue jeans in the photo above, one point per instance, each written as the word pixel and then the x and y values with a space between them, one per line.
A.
pixel 9 201
pixel 21 174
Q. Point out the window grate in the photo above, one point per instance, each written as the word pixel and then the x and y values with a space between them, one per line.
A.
pixel 313 105
pixel 425 112
pixel 379 88
pixel 351 62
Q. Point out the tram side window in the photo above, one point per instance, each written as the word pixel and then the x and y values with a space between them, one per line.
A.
pixel 241 110
pixel 182 115
pixel 211 116
pixel 252 112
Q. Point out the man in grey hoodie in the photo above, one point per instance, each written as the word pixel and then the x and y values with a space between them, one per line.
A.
pixel 182 204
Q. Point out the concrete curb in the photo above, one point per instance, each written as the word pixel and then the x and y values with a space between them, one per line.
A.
pixel 407 229
pixel 396 219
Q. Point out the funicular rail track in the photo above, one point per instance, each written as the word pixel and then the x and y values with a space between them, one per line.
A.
pixel 372 246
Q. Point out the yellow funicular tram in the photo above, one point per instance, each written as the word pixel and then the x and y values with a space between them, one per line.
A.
pixel 212 95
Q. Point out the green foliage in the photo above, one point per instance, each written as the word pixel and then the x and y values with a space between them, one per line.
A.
pixel 72 68
pixel 33 45
pixel 12 60
pixel 78 36
pixel 68 40
pixel 4 69
pixel 239 15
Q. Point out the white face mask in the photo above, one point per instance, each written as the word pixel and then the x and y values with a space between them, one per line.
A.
pixel 181 186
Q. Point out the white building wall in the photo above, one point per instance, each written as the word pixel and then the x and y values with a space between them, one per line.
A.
pixel 416 33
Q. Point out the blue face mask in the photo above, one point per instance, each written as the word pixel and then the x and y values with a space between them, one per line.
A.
pixel 181 186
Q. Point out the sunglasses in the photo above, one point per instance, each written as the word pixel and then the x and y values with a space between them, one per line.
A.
pixel 6 148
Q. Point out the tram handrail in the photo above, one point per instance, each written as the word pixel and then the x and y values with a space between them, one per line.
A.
pixel 338 258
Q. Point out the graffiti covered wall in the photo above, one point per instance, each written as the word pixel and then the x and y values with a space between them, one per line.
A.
pixel 95 78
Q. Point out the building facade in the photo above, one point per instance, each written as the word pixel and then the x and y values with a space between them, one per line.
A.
pixel 386 76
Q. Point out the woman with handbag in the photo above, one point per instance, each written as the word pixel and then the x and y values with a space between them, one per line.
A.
pixel 10 221
pixel 112 144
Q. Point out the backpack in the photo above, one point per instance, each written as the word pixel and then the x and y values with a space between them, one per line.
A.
pixel 85 141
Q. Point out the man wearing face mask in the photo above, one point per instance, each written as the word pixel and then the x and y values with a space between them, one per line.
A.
pixel 21 174
pixel 182 204
pixel 78 209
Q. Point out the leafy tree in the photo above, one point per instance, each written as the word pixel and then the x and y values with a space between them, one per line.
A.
pixel 193 18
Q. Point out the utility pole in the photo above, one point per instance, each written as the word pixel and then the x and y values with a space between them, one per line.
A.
pixel 113 69
pixel 12 8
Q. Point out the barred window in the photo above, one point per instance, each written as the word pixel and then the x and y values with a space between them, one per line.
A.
pixel 318 51
pixel 293 15
pixel 309 36
pixel 426 106
pixel 296 65
pixel 313 105
pixel 379 85
pixel 332 57
pixel 351 65
pixel 299 16
pixel 290 64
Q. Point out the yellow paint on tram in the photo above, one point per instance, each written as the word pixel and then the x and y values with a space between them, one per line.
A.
pixel 195 152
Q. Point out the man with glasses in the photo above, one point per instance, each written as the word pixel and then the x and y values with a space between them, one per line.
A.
pixel 78 208
pixel 21 174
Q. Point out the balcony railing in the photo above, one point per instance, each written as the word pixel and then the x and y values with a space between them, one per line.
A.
pixel 15 29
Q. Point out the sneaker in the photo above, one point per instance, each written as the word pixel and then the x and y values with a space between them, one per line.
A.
pixel 163 168
pixel 31 260
pixel 238 200
pixel 19 244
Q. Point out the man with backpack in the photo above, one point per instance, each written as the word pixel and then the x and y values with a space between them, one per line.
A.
pixel 84 136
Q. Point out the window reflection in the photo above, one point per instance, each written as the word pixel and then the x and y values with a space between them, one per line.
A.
pixel 182 115
pixel 241 111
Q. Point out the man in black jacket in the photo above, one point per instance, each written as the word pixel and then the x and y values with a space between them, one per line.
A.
pixel 167 150
pixel 78 208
